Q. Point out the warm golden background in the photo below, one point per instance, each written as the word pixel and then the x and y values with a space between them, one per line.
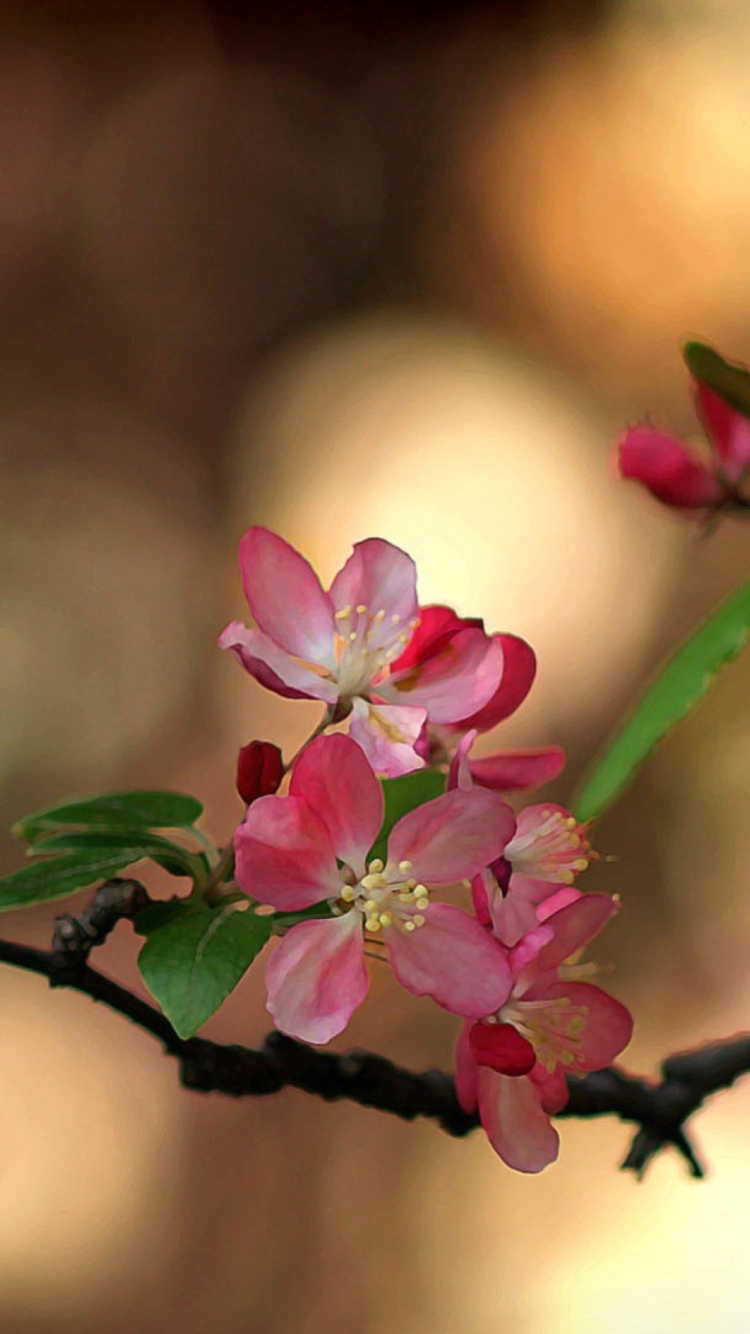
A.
pixel 351 270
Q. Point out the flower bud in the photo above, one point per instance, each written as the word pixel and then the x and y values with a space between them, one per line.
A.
pixel 260 769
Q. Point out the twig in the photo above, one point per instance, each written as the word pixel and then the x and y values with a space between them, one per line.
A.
pixel 659 1109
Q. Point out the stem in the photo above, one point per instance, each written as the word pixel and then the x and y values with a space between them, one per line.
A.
pixel 221 873
pixel 321 727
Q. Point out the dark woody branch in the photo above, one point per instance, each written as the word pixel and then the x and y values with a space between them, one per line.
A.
pixel 659 1109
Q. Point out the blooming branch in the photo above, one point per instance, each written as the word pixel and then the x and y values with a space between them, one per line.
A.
pixel 659 1109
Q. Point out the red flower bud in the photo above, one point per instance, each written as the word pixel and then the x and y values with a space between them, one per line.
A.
pixel 260 769
pixel 502 1048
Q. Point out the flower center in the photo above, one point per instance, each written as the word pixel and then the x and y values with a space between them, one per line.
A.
pixel 554 1027
pixel 555 849
pixel 388 896
pixel 367 643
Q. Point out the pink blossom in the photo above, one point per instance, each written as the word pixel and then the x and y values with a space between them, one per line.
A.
pixel 506 771
pixel 548 850
pixel 311 847
pixel 342 646
pixel 435 638
pixel 676 474
pixel 512 1064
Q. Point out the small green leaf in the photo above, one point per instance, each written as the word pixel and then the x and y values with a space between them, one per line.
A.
pixel 681 685
pixel 56 877
pixel 161 913
pixel 403 795
pixel 729 381
pixel 131 846
pixel 116 810
pixel 191 964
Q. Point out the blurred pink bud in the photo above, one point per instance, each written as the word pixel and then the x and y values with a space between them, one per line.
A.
pixel 675 474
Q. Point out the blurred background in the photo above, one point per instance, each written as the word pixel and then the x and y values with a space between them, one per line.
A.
pixel 344 270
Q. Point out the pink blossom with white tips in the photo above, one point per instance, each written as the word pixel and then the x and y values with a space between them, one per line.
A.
pixel 341 646
pixel 311 847
pixel 512 1064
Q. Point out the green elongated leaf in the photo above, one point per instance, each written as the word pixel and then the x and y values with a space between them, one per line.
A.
pixel 123 810
pixel 683 682
pixel 403 795
pixel 131 846
pixel 56 877
pixel 729 381
pixel 191 964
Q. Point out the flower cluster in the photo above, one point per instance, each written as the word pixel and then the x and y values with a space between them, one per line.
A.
pixel 322 848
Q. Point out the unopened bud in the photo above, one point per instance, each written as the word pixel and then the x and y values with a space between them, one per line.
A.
pixel 260 769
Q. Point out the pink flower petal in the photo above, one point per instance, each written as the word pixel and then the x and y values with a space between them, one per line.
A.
pixel 574 927
pixel 284 855
pixel 437 626
pixel 459 774
pixel 452 683
pixel 467 1072
pixel 273 667
pixel 380 577
pixel 528 948
pixel 728 430
pixel 668 468
pixel 607 1026
pixel 333 776
pixel 561 898
pixel 482 889
pixel 512 916
pixel 317 978
pixel 502 1048
pixel 552 1089
pixel 519 670
pixel 516 1124
pixel 453 837
pixel 453 959
pixel 518 770
pixel 286 598
pixel 388 735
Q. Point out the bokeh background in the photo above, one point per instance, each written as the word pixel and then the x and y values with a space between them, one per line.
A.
pixel 349 270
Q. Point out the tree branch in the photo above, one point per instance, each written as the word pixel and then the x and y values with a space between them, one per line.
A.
pixel 659 1109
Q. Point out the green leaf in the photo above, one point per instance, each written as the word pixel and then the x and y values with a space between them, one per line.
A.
pixel 191 964
pixel 681 685
pixel 161 913
pixel 116 810
pixel 56 877
pixel 729 381
pixel 403 795
pixel 131 847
